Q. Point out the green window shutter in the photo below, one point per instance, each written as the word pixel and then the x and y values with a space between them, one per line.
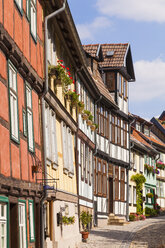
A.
pixel 29 116
pixel 22 214
pixel 31 221
pixel 4 213
pixel 19 6
pixel 13 103
pixel 24 122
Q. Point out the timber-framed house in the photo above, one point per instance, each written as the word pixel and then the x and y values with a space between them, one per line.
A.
pixel 21 84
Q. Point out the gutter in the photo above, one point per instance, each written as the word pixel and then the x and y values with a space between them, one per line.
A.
pixel 47 18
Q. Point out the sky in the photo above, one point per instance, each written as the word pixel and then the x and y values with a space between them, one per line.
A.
pixel 140 23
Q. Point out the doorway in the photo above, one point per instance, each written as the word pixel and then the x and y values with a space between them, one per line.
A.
pixel 110 194
pixel 14 230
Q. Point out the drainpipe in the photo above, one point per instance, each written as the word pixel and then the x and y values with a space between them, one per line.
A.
pixel 127 171
pixel 47 18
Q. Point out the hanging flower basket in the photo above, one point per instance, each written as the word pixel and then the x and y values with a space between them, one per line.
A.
pixel 80 106
pixel 149 195
pixel 89 122
pixel 160 165
pixel 93 127
pixel 84 116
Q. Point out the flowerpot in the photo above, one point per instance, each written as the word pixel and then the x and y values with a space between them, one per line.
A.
pixel 84 116
pixel 74 103
pixel 89 122
pixel 80 110
pixel 93 127
pixel 85 235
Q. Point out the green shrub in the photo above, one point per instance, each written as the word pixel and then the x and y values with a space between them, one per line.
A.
pixel 150 212
pixel 132 217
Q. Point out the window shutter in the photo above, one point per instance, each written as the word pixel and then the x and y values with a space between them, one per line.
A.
pixel 54 140
pixel 64 145
pixel 71 167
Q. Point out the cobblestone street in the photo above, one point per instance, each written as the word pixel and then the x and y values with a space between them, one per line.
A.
pixel 149 233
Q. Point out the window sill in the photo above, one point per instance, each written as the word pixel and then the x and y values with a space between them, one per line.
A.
pixel 65 171
pixel 70 174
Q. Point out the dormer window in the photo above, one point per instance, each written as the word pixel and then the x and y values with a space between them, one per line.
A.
pixel 146 131
pixel 138 126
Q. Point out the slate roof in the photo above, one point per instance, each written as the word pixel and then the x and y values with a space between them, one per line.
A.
pixel 117 60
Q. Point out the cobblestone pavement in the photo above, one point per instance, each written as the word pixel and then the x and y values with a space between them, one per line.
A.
pixel 149 233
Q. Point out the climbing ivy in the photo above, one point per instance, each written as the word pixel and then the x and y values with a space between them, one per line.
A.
pixel 139 179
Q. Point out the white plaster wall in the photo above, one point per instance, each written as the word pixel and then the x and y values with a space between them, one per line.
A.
pixel 101 204
pixel 69 236
pixel 86 204
pixel 85 128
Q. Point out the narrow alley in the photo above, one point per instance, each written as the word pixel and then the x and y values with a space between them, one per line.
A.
pixel 148 233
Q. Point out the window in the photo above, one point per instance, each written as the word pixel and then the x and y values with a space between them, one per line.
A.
pixel 28 9
pixel 116 183
pixel 146 131
pixel 113 129
pixel 29 118
pixel 99 175
pixel 130 194
pixel 86 162
pixel 138 126
pixel 125 134
pixel 31 221
pixel 67 149
pixel 33 18
pixel 19 4
pixel 148 200
pixel 22 224
pixel 122 185
pixel 103 121
pixel 125 88
pixel 141 163
pixel 95 177
pixel 90 166
pixel 3 224
pixel 134 161
pixel 161 189
pixel 24 123
pixel 51 139
pixel 82 159
pixel 118 131
pixel 134 195
pixel 120 85
pixel 104 179
pixel 13 99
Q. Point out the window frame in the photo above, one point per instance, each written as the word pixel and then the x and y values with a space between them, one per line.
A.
pixel 14 93
pixel 122 185
pixel 104 178
pixel 33 222
pixel 99 177
pixel 23 202
pixel 119 131
pixel 134 196
pixel 29 110
pixel 113 132
pixel 116 183
pixel 5 201
pixel 34 3
pixel 95 175
pixel 82 159
pixel 19 7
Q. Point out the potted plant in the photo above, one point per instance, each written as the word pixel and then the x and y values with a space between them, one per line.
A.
pixel 90 119
pixel 85 114
pixel 149 195
pixel 85 218
pixel 80 106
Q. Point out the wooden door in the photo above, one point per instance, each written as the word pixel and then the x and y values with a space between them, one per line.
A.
pixel 110 195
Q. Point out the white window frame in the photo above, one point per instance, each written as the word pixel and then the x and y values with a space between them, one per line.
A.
pixel 3 225
pixel 51 138
pixel 33 18
pixel 67 144
pixel 130 194
pixel 31 221
pixel 19 5
pixel 140 163
pixel 22 224
pixel 13 100
pixel 149 199
pixel 29 113
pixel 138 126
pixel 134 195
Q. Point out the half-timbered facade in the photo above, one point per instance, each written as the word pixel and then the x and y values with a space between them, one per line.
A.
pixel 117 71
pixel 21 83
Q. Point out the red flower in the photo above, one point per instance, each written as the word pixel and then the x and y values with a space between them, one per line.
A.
pixel 71 78
pixel 67 68
pixel 63 66
pixel 73 82
pixel 69 73
pixel 74 90
pixel 61 60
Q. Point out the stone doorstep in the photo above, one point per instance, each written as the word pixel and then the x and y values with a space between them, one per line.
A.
pixel 118 223
pixel 117 218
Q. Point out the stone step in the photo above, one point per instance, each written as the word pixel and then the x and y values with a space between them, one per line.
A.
pixel 117 223
pixel 116 218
